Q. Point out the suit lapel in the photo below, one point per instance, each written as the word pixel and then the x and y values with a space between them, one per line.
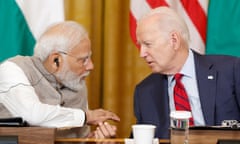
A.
pixel 206 80
pixel 163 98
pixel 161 103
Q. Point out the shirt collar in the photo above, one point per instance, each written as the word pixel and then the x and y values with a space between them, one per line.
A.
pixel 187 69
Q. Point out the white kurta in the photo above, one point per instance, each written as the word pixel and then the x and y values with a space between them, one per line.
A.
pixel 20 98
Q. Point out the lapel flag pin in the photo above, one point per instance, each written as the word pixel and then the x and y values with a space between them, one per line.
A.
pixel 210 77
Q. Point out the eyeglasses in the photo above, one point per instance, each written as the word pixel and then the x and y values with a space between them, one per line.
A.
pixel 83 60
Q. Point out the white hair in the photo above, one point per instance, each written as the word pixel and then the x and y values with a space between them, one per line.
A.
pixel 168 21
pixel 62 36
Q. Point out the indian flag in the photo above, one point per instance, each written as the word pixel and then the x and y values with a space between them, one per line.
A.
pixel 23 21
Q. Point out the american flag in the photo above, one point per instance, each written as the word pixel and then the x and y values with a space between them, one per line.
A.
pixel 193 11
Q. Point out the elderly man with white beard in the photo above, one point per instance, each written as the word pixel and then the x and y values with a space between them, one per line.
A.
pixel 48 89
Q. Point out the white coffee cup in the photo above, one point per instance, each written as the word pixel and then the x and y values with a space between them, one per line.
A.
pixel 143 133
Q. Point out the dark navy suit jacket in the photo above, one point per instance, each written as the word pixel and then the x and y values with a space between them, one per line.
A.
pixel 219 97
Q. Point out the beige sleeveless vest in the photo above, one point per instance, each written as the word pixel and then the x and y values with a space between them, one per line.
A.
pixel 50 92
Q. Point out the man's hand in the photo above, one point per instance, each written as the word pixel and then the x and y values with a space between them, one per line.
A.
pixel 95 117
pixel 105 130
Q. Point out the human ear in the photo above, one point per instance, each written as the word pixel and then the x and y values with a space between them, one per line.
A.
pixel 55 60
pixel 174 40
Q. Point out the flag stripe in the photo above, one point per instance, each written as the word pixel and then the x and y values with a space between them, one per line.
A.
pixel 157 3
pixel 139 8
pixel 223 34
pixel 197 16
pixel 204 5
pixel 133 26
pixel 41 14
pixel 16 37
pixel 196 41
pixel 23 21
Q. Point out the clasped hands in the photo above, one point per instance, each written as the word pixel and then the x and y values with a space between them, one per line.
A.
pixel 99 117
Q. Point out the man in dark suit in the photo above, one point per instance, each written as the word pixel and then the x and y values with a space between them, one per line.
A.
pixel 212 83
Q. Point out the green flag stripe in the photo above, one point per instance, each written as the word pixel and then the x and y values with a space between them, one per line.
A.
pixel 223 33
pixel 15 35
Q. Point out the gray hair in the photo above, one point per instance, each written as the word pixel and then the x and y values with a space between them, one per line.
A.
pixel 169 20
pixel 62 36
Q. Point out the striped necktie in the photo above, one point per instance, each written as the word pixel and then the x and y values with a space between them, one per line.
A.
pixel 180 97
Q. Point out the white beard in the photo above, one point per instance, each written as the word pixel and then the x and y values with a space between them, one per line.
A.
pixel 70 79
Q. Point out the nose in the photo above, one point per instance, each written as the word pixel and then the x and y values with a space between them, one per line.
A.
pixel 90 65
pixel 143 51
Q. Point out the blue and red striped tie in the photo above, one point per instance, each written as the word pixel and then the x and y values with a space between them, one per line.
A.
pixel 180 97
